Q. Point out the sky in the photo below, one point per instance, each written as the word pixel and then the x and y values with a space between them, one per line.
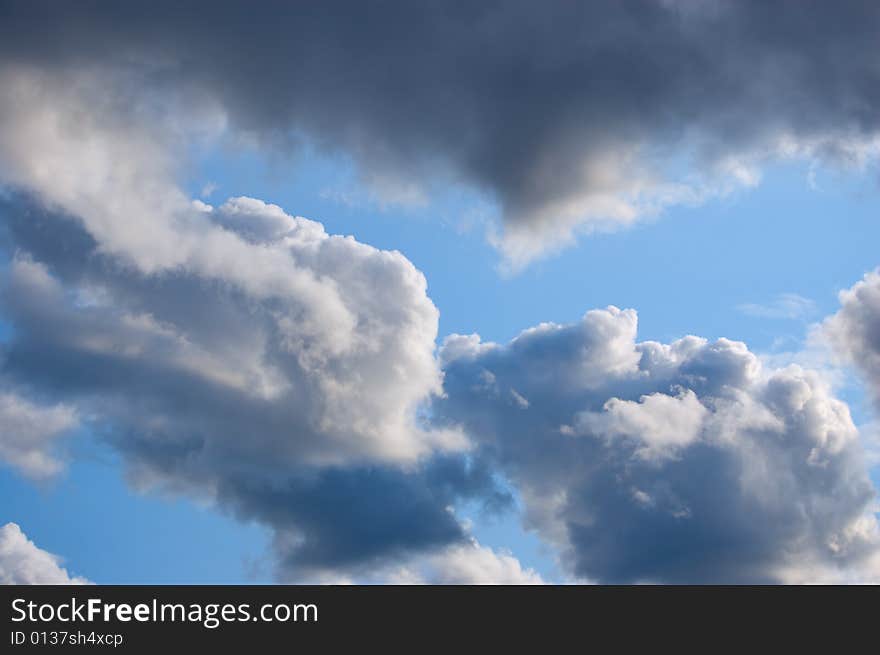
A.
pixel 602 306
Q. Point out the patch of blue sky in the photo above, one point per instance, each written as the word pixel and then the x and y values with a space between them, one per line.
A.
pixel 111 534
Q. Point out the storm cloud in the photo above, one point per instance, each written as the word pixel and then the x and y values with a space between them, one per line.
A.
pixel 569 116
pixel 685 462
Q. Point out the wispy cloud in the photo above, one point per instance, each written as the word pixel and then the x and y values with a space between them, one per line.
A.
pixel 785 306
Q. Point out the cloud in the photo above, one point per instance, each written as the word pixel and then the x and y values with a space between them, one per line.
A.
pixel 235 353
pixel 462 563
pixel 854 331
pixel 571 117
pixel 662 424
pixel 188 344
pixel 680 462
pixel 465 564
pixel 216 390
pixel 473 564
pixel 240 353
pixel 789 306
pixel 22 562
pixel 354 521
pixel 28 434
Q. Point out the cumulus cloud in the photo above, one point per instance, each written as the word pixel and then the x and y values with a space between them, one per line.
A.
pixel 212 390
pixel 679 462
pixel 108 256
pixel 571 116
pixel 22 562
pixel 345 401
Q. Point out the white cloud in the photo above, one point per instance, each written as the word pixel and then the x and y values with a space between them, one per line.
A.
pixel 473 564
pixel 22 562
pixel 854 331
pixel 263 222
pixel 467 563
pixel 335 336
pixel 256 358
pixel 28 433
pixel 661 423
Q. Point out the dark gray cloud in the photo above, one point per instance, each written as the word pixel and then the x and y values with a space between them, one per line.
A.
pixel 356 520
pixel 686 462
pixel 568 114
